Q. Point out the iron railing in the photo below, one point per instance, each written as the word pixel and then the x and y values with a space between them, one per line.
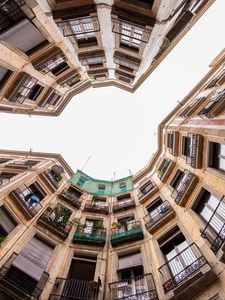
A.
pixel 95 206
pixel 146 189
pixel 123 204
pixel 24 283
pixel 126 233
pixel 58 224
pixel 51 178
pixel 70 289
pixel 28 206
pixel 159 213
pixel 90 235
pixel 194 153
pixel 180 268
pixel 145 288
pixel 142 33
pixel 183 186
pixel 163 168
pixel 80 27
pixel 214 230
pixel 72 198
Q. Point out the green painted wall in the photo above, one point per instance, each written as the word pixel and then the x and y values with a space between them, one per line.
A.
pixel 95 186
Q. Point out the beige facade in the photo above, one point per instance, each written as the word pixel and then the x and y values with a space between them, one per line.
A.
pixel 162 239
pixel 52 50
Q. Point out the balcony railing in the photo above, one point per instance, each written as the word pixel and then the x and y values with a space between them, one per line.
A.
pixel 195 153
pixel 184 187
pixel 146 190
pixel 69 289
pixel 55 225
pixel 214 230
pixel 89 235
pixel 182 267
pixel 123 204
pixel 50 177
pixel 143 283
pixel 95 206
pixel 24 284
pixel 29 208
pixel 124 234
pixel 71 198
pixel 156 216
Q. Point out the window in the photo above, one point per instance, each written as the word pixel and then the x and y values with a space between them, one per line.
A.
pixel 5 177
pixel 126 224
pixel 54 63
pixel 211 210
pixel 101 188
pixel 7 223
pixel 154 209
pixel 219 80
pixel 3 160
pixel 215 106
pixel 52 99
pixel 81 181
pixel 217 156
pixel 25 192
pixel 186 146
pixel 170 140
pixel 92 226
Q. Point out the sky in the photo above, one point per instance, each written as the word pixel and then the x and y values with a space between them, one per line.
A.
pixel 109 133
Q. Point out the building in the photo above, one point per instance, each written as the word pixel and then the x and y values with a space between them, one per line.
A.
pixel 156 235
pixel 51 50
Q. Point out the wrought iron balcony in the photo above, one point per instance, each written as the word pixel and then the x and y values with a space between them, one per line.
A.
pixel 214 230
pixel 132 232
pixel 195 153
pixel 185 270
pixel 90 235
pixel 51 178
pixel 30 209
pixel 165 169
pixel 184 187
pixel 16 281
pixel 71 198
pixel 215 106
pixel 147 190
pixel 95 206
pixel 124 203
pixel 57 225
pixel 159 216
pixel 68 289
pixel 146 282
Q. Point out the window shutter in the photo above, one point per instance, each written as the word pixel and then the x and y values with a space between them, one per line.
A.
pixel 130 261
pixel 34 258
pixel 5 221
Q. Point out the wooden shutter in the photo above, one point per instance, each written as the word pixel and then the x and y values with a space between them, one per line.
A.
pixel 130 261
pixel 5 221
pixel 34 258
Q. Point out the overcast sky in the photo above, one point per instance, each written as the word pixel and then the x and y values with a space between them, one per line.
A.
pixel 118 129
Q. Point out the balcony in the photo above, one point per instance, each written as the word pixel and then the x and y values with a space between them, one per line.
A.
pixel 123 204
pixel 187 274
pixel 173 142
pixel 58 225
pixel 51 179
pixel 68 289
pixel 14 282
pixel 71 198
pixel 165 169
pixel 215 106
pixel 195 153
pixel 95 206
pixel 89 235
pixel 160 216
pixel 214 232
pixel 147 190
pixel 184 187
pixel 130 233
pixel 26 206
pixel 146 282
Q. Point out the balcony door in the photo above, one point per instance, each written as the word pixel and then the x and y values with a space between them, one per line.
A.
pixel 179 257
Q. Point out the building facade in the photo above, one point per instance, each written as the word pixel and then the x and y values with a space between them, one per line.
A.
pixel 156 235
pixel 51 50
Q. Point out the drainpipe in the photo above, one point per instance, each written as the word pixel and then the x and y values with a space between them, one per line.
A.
pixel 107 247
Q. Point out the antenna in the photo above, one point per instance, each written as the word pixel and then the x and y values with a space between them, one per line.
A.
pixel 114 175
pixel 86 162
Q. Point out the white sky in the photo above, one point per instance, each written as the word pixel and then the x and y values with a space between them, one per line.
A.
pixel 116 128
